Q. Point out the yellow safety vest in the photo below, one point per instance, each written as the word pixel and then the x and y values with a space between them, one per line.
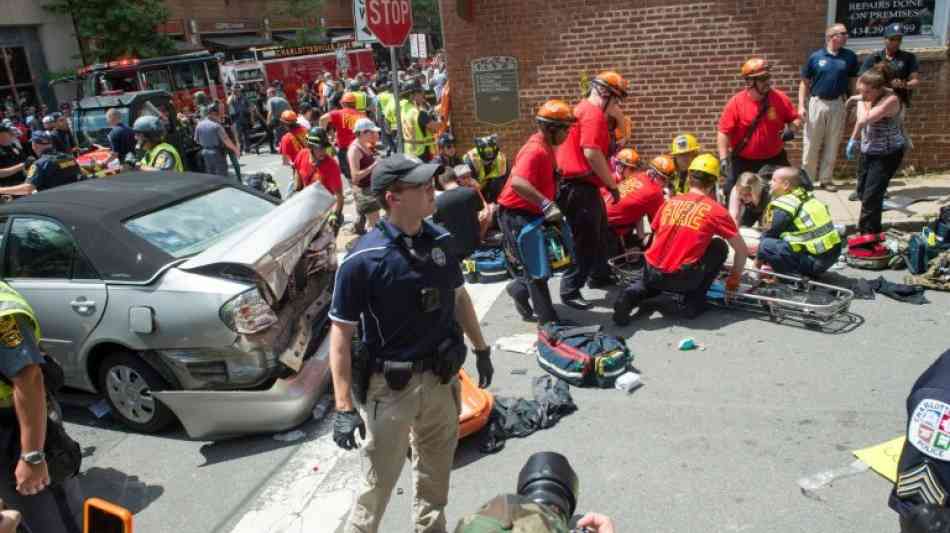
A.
pixel 679 184
pixel 360 101
pixel 415 139
pixel 387 105
pixel 814 231
pixel 153 153
pixel 11 303
pixel 498 168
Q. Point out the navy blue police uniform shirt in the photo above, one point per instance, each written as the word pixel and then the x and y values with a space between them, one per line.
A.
pixel 53 170
pixel 829 73
pixel 923 472
pixel 379 285
pixel 903 65
pixel 122 140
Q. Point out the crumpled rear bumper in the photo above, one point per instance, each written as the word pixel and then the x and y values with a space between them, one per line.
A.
pixel 216 415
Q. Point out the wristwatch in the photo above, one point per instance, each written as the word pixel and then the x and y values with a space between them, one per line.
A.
pixel 33 458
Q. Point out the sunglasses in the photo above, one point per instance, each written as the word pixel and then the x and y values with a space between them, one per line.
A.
pixel 840 34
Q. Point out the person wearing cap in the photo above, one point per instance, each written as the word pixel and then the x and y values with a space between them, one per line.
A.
pixel 404 285
pixel 294 140
pixel 361 157
pixel 419 123
pixel 641 195
pixel 159 155
pixel 342 122
pixel 315 165
pixel 828 77
pixel 528 199
pixel 51 169
pixel 489 166
pixel 457 209
pixel 683 149
pixel 582 160
pixel 210 135
pixel 13 159
pixel 688 248
pixel 753 123
pixel 903 64
pixel 448 153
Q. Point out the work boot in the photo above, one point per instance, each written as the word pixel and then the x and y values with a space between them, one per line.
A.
pixel 623 306
pixel 576 300
pixel 522 305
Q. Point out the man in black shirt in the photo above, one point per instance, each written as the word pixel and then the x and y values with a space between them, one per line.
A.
pixel 457 210
pixel 903 64
pixel 121 138
pixel 13 160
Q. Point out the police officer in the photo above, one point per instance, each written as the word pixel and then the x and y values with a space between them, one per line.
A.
pixel 52 169
pixel 419 124
pixel 802 239
pixel 210 135
pixel 13 159
pixel 407 292
pixel 159 155
pixel 489 166
pixel 24 475
pixel 447 156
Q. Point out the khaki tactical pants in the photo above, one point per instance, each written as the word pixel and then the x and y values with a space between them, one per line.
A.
pixel 425 416
pixel 823 130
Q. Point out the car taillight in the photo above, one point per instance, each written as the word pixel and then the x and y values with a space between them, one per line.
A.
pixel 248 313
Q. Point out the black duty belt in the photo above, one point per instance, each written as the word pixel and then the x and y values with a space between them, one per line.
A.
pixel 420 366
pixel 577 179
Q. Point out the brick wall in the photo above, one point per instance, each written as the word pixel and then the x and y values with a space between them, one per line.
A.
pixel 682 59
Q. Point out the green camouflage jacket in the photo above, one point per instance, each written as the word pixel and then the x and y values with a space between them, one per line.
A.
pixel 513 513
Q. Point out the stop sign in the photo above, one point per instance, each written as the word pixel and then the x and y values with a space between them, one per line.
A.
pixel 389 20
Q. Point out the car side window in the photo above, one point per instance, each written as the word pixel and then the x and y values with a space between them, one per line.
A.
pixel 41 248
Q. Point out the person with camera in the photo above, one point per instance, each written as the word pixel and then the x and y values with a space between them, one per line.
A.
pixel 400 388
pixel 48 498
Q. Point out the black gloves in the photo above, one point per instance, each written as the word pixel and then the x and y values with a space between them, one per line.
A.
pixel 484 366
pixel 345 425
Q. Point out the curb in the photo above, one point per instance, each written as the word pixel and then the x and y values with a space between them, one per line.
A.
pixel 913 225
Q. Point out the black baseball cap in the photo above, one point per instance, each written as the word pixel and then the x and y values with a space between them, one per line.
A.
pixel 894 30
pixel 404 169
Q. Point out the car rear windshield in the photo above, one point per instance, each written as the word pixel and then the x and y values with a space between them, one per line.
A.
pixel 190 227
pixel 93 127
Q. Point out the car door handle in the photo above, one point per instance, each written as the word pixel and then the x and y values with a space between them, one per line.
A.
pixel 82 304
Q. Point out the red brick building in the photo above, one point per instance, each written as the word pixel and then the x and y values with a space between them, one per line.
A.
pixel 682 59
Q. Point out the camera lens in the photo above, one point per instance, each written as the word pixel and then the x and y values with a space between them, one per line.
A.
pixel 547 478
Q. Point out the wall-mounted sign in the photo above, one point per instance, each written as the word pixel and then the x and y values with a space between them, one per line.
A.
pixel 495 82
pixel 363 34
pixel 867 18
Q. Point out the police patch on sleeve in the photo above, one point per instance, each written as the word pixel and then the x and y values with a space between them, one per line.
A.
pixel 32 171
pixel 438 256
pixel 929 429
pixel 10 334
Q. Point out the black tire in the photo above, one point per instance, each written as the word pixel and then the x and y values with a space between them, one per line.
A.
pixel 150 416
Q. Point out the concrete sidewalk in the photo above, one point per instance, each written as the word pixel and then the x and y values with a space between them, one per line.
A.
pixel 930 192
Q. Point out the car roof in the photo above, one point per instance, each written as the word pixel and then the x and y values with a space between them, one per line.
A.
pixel 94 210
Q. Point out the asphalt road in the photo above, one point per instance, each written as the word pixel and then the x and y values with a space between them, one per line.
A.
pixel 715 440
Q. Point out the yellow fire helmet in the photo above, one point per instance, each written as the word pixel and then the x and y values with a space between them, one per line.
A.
pixel 684 143
pixel 707 163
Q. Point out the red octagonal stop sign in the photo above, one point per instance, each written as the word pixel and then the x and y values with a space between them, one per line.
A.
pixel 389 20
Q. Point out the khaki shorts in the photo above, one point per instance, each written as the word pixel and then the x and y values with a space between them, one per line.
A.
pixel 366 203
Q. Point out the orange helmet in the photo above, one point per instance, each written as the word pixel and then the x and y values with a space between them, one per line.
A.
pixel 555 112
pixel 288 117
pixel 663 165
pixel 628 157
pixel 348 98
pixel 755 67
pixel 613 82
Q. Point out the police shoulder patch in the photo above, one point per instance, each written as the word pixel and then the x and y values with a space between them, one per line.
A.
pixel 929 429
pixel 10 334
pixel 32 171
pixel 920 483
pixel 438 256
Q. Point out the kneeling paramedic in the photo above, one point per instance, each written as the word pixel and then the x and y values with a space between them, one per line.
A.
pixel 400 388
pixel 641 194
pixel 159 155
pixel 801 239
pixel 528 201
pixel 685 257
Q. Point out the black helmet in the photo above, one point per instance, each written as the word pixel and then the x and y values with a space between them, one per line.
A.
pixel 548 478
pixel 149 126
pixel 446 139
pixel 355 86
pixel 487 147
pixel 318 137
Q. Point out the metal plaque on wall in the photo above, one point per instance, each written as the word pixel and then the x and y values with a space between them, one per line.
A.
pixel 495 82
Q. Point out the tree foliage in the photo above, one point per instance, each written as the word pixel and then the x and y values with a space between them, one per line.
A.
pixel 425 17
pixel 112 29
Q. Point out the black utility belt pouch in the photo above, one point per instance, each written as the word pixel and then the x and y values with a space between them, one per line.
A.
pixel 397 374
pixel 451 354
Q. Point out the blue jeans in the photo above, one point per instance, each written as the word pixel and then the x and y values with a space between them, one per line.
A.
pixel 779 255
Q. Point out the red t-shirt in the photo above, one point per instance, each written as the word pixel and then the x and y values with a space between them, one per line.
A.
pixel 343 121
pixel 535 163
pixel 590 131
pixel 639 195
pixel 684 228
pixel 293 142
pixel 327 171
pixel 766 140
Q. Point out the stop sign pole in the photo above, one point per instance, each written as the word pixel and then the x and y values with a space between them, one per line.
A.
pixel 391 21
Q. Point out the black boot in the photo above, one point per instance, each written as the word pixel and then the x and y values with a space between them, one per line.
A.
pixel 623 306
pixel 576 300
pixel 522 303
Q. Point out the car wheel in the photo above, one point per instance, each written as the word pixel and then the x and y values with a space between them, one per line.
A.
pixel 127 383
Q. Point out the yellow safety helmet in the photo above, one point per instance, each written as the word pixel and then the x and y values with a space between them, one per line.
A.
pixel 706 163
pixel 684 143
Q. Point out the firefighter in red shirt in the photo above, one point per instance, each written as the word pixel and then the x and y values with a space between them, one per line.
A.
pixel 685 256
pixel 294 140
pixel 641 194
pixel 313 165
pixel 752 125
pixel 527 197
pixel 342 122
pixel 582 160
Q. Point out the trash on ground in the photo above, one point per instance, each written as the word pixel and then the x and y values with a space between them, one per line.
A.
pixel 883 457
pixel 520 371
pixel 518 417
pixel 290 436
pixel 688 343
pixel 523 343
pixel 822 479
pixel 100 408
pixel 628 382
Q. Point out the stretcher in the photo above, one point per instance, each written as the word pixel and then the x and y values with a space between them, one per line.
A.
pixel 778 296
pixel 476 406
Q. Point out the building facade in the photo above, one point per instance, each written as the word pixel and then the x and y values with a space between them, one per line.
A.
pixel 682 59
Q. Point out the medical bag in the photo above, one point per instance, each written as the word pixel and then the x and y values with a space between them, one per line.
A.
pixel 582 356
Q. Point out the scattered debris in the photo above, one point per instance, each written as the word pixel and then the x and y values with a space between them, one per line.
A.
pixel 688 343
pixel 399 492
pixel 518 417
pixel 290 436
pixel 628 382
pixel 100 408
pixel 822 479
pixel 523 343
pixel 520 371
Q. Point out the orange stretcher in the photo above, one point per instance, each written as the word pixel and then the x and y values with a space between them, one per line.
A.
pixel 476 406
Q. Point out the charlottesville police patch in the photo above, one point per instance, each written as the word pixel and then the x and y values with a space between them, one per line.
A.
pixel 10 334
pixel 929 429
pixel 438 256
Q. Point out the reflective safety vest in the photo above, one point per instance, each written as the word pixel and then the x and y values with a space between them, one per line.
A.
pixel 814 231
pixel 11 304
pixel 360 101
pixel 152 154
pixel 387 106
pixel 679 184
pixel 498 168
pixel 416 140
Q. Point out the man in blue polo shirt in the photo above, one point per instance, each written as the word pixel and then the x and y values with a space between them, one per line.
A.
pixel 828 78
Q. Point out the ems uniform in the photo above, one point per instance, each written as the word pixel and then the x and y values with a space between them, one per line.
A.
pixel 400 289
pixel 534 163
pixel 491 175
pixel 579 197
pixel 343 121
pixel 802 239
pixel 293 142
pixel 387 110
pixel 163 156
pixel 419 141
pixel 53 169
pixel 639 196
pixel 53 510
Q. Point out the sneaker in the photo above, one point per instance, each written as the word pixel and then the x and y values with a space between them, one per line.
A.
pixel 601 283
pixel 623 306
pixel 576 301
pixel 829 186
